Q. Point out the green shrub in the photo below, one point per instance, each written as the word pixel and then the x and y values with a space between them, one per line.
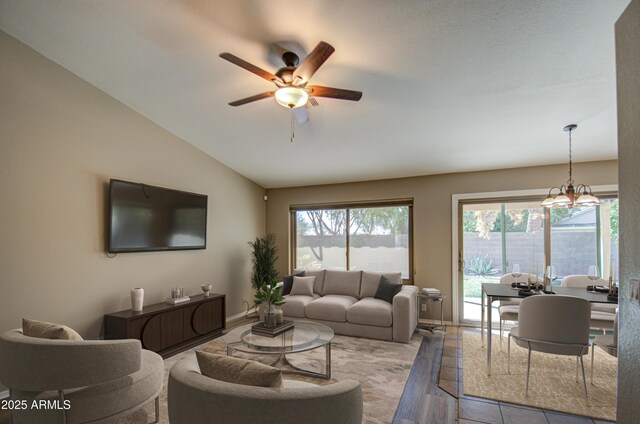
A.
pixel 481 265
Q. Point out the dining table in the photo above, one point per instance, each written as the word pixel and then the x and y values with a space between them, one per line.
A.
pixel 496 291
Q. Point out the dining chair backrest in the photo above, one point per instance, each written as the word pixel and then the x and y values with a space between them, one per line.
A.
pixel 560 321
pixel 581 281
pixel 509 278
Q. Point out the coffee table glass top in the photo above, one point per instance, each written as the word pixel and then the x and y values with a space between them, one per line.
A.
pixel 306 335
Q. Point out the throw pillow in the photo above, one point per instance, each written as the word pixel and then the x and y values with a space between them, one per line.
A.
pixel 287 283
pixel 303 286
pixel 387 289
pixel 238 371
pixel 48 330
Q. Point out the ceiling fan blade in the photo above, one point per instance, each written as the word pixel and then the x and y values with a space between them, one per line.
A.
pixel 334 93
pixel 249 67
pixel 301 114
pixel 252 98
pixel 313 102
pixel 312 62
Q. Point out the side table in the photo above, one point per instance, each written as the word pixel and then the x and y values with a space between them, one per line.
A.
pixel 423 298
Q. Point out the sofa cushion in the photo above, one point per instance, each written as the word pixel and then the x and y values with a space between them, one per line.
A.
pixel 387 289
pixel 345 283
pixel 287 282
pixel 371 281
pixel 303 286
pixel 319 274
pixel 238 370
pixel 48 330
pixel 330 307
pixel 295 306
pixel 370 311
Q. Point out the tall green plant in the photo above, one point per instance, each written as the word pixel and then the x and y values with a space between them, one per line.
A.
pixel 263 258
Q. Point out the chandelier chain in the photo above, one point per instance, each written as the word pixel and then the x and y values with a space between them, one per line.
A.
pixel 570 161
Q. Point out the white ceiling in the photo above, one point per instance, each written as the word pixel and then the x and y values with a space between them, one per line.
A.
pixel 448 86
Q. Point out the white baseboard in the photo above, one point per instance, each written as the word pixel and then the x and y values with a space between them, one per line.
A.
pixel 4 395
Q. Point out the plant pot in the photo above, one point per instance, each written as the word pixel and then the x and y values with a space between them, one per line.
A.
pixel 261 311
pixel 270 317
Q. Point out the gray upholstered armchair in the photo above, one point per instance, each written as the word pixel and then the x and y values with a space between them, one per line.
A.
pixel 195 399
pixel 101 380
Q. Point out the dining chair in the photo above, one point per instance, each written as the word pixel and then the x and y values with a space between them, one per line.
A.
pixel 608 343
pixel 602 315
pixel 508 309
pixel 552 324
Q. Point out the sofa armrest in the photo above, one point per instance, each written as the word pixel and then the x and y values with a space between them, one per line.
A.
pixel 405 314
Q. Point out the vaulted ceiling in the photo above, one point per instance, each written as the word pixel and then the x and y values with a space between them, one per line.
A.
pixel 449 86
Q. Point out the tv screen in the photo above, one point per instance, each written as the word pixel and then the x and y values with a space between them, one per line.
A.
pixel 147 218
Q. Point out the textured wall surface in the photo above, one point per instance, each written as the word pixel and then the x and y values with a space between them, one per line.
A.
pixel 628 80
pixel 61 140
pixel 431 208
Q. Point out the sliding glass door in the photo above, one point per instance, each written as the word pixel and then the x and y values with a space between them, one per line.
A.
pixel 498 236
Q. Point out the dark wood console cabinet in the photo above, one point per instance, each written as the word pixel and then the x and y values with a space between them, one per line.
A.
pixel 169 329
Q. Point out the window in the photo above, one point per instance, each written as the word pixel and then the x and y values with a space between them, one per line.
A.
pixel 375 237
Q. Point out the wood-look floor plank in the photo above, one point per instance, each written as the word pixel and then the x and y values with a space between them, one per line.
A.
pixel 422 400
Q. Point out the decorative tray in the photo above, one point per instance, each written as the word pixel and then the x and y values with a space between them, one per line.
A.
pixel 526 292
pixel 598 289
pixel 525 286
pixel 176 300
pixel 262 330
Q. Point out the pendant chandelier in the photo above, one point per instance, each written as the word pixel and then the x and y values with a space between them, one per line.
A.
pixel 569 196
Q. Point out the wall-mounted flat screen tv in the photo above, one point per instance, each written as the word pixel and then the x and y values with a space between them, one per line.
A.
pixel 147 218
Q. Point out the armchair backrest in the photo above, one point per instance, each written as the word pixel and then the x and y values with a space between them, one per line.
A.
pixel 557 320
pixel 194 398
pixel 34 364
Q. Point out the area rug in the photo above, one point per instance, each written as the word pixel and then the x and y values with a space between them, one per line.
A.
pixel 381 367
pixel 552 383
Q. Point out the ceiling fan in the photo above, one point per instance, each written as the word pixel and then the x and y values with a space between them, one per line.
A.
pixel 291 81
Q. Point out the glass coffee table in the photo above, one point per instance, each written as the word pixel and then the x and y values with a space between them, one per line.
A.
pixel 305 336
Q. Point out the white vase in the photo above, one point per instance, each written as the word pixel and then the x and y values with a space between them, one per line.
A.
pixel 137 299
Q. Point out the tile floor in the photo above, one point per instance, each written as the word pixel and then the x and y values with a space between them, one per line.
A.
pixel 479 410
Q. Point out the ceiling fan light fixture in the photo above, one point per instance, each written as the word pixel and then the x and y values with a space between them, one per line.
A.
pixel 291 97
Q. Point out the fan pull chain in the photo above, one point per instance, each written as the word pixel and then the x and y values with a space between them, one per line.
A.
pixel 293 127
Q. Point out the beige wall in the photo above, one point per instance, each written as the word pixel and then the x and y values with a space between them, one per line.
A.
pixel 628 88
pixel 61 140
pixel 432 208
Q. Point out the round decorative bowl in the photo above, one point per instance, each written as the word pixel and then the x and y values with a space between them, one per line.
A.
pixel 206 288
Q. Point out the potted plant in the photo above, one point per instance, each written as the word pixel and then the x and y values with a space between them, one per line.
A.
pixel 270 295
pixel 264 254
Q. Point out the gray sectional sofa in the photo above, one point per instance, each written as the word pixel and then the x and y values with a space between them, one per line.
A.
pixel 344 301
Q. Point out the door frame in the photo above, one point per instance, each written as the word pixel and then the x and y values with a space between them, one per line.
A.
pixel 455 230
